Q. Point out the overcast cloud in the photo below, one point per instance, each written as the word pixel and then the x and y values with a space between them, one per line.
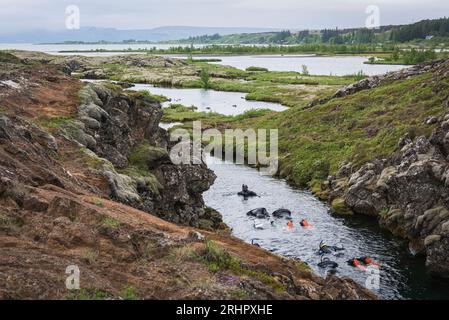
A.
pixel 21 15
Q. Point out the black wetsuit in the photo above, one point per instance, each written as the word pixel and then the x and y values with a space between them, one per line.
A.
pixel 246 192
pixel 259 213
pixel 327 263
pixel 282 213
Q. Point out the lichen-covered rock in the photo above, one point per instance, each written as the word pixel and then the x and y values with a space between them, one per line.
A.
pixel 126 135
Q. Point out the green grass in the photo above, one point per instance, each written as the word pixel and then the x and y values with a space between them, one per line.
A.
pixel 89 294
pixel 218 259
pixel 6 57
pixel 146 95
pixel 313 143
pixel 256 69
pixel 181 113
pixel 54 123
pixel 91 256
pixel 110 222
pixel 129 293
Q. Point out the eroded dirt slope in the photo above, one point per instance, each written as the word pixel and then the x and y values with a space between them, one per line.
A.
pixel 56 211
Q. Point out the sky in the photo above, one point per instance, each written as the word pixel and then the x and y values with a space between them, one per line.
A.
pixel 25 15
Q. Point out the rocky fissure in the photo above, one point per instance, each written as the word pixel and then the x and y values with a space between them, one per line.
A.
pixel 408 191
pixel 124 130
pixel 73 164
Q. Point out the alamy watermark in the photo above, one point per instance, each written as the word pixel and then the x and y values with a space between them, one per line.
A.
pixel 373 19
pixel 72 282
pixel 373 278
pixel 73 17
pixel 252 147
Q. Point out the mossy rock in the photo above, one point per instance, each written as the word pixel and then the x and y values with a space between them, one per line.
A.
pixel 339 207
pixel 315 188
pixel 206 224
pixel 145 156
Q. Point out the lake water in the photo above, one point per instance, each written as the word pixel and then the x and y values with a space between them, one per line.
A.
pixel 227 103
pixel 317 65
pixel 402 276
pixel 56 49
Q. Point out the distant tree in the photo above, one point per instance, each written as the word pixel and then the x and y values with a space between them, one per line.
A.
pixel 205 78
pixel 395 55
pixel 305 70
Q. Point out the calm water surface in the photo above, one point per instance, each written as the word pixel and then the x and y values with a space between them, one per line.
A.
pixel 317 65
pixel 402 276
pixel 227 103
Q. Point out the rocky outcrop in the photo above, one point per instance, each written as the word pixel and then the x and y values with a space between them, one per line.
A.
pixel 409 191
pixel 124 130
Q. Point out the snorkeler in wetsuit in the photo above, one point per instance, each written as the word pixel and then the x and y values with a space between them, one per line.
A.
pixel 246 193
pixel 325 249
pixel 327 263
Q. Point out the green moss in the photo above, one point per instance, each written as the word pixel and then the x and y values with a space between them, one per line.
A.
pixel 239 294
pixel 54 123
pixel 143 155
pixel 129 293
pixel 141 158
pixel 110 222
pixel 339 207
pixel 145 94
pixel 144 175
pixel 218 259
pixel 89 294
pixel 302 266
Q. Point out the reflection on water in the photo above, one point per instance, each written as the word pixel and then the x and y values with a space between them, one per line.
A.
pixel 316 65
pixel 227 103
pixel 402 275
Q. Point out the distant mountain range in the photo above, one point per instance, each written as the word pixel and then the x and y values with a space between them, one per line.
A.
pixel 94 34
